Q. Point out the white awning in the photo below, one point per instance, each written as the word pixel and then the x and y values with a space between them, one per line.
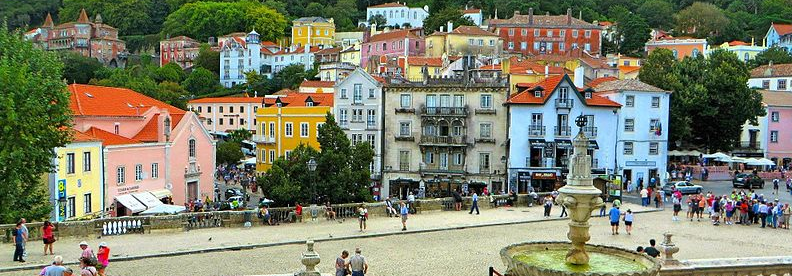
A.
pixel 160 194
pixel 131 203
pixel 148 199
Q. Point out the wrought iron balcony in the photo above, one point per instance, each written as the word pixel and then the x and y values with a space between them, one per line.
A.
pixel 748 146
pixel 443 140
pixel 536 130
pixel 563 131
pixel 564 103
pixel 444 111
pixel 590 131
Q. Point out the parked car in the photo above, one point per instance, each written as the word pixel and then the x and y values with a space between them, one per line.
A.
pixel 747 180
pixel 232 192
pixel 684 187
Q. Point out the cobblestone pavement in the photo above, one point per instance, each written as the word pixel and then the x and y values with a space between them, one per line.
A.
pixel 455 252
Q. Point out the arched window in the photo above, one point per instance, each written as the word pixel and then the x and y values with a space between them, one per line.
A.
pixel 676 54
pixel 746 57
pixel 695 52
pixel 192 148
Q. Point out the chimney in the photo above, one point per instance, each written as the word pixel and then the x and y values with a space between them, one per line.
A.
pixel 441 28
pixel 547 70
pixel 578 77
pixel 530 15
pixel 450 26
pixel 569 16
pixel 580 15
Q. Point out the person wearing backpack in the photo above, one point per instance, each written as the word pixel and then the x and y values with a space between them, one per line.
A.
pixel 87 267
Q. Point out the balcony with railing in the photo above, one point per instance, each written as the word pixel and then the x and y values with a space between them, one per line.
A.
pixel 440 169
pixel 444 111
pixel 590 131
pixel 536 130
pixel 748 146
pixel 263 139
pixel 459 141
pixel 563 131
pixel 564 103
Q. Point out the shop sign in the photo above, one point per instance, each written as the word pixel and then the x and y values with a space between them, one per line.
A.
pixel 128 189
pixel 544 175
pixel 637 163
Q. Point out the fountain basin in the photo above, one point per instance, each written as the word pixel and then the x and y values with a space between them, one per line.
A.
pixel 548 259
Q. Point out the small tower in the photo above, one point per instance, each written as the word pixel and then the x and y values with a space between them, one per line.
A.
pixel 254 49
pixel 98 19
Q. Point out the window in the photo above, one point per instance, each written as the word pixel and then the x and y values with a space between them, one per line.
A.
pixel 574 45
pixel 404 160
pixel 536 32
pixel 587 33
pixel 486 101
pixel 371 139
pixel 304 129
pixel 511 32
pixel 289 129
pixel 70 163
pixel 71 207
pixel 694 53
pixel 343 93
pixel 208 109
pixel 562 33
pixel 286 154
pixel 471 41
pixel 774 116
pixel 154 170
pixel 561 46
pixel 138 172
pixel 630 102
pixel 485 130
pixel 272 130
pixel 549 46
pixel 575 33
pixel 271 156
pixel 549 33
pixel 117 128
pixel 587 46
pixel 536 46
pixel 458 159
pixel 199 109
pixel 87 203
pixel 404 129
pixel 357 115
pixel 524 32
pixel 653 125
pixel 220 109
pixel 406 101
pixel 484 162
pixel 492 42
pixel 629 125
pixel 230 109
pixel 653 148
pixel 231 121
pixel 220 122
pixel 356 139
pixel 774 136
pixel 511 45
pixel 241 109
pixel 318 127
pixel 192 148
pixel 371 117
pixel 765 84
pixel 781 84
pixel 358 94
pixel 429 159
pixel 121 175
pixel 342 116
pixel 87 161
pixel 372 93
pixel 523 45
pixel 628 148
pixel 655 102
pixel 538 94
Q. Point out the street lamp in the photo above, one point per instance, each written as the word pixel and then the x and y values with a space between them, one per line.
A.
pixel 312 167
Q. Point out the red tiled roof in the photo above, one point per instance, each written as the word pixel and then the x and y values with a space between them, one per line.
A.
pixel 549 85
pixel 597 100
pixel 266 51
pixel 529 67
pixel 490 67
pixel 393 35
pixel 629 69
pixel 782 29
pixel 739 43
pixel 109 139
pixel 387 5
pixel 298 99
pixel 379 79
pixel 472 30
pixel 92 100
pixel 329 51
pixel 598 81
pixel 284 91
pixel 83 137
pixel 268 44
pixel 149 132
pixel 227 100
pixel 605 23
pixel 428 61
pixel 314 83
pixel 542 20
pixel 471 11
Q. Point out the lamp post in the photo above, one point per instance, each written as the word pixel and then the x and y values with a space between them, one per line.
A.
pixel 312 167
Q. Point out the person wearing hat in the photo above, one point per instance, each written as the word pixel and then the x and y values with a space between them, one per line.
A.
pixel 103 256
pixel 87 252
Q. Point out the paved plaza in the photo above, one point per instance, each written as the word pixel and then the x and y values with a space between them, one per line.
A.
pixel 463 249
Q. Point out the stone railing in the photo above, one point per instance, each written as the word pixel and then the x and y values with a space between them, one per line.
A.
pixel 754 266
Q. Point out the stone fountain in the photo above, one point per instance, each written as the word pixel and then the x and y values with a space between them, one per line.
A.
pixel 580 197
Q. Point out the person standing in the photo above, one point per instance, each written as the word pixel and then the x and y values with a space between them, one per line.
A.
pixel 19 243
pixel 644 197
pixel 341 264
pixel 404 212
pixel 48 237
pixel 629 217
pixel 775 186
pixel 358 264
pixel 475 203
pixel 603 207
pixel 548 205
pixel 677 208
pixel 362 216
pixel 56 269
pixel 27 235
pixel 411 203
pixel 87 252
pixel 457 200
pixel 103 256
pixel 763 214
pixel 615 215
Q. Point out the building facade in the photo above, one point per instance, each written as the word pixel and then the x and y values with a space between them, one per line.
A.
pixel 680 47
pixel 149 146
pixel 358 105
pixel 773 77
pixel 444 134
pixel 475 15
pixel 547 34
pixel 398 14
pixel 181 50
pixel 239 54
pixel 391 44
pixel 462 41
pixel 225 114
pixel 77 185
pixel 90 39
pixel 287 121
pixel 642 130
pixel 313 31
pixel 744 51
pixel 779 35
pixel 770 137
pixel 541 127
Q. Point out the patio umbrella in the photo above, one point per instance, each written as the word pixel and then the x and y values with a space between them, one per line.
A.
pixel 754 162
pixel 738 160
pixel 717 155
pixel 164 209
pixel 766 162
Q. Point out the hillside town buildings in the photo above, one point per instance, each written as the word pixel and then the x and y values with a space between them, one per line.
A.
pixel 89 38
pixel 181 50
pixel 547 34
pixel 398 14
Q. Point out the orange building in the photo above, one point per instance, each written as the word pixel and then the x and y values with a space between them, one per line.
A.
pixel 681 47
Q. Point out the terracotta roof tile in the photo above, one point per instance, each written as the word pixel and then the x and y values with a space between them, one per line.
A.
pixel 490 67
pixel 428 61
pixel 629 69
pixel 776 98
pixel 227 100
pixel 149 132
pixel 400 34
pixel 387 5
pixel 598 81
pixel 83 137
pixel 624 85
pixel 542 20
pixel 91 100
pixel 329 51
pixel 314 83
pixel 782 29
pixel 285 91
pixel 468 11
pixel 109 139
pixel 597 100
pixel 472 30
pixel 379 79
pixel 298 99
pixel 739 43
pixel 549 85
pixel 775 70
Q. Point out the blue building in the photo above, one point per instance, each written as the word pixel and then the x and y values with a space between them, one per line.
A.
pixel 779 35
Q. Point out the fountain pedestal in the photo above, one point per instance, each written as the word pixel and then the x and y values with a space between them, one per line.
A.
pixel 309 259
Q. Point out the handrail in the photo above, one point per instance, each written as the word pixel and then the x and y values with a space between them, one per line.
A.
pixel 751 266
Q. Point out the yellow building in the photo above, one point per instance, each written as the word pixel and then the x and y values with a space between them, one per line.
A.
pixel 464 40
pixel 744 51
pixel 531 71
pixel 77 184
pixel 415 67
pixel 288 121
pixel 351 54
pixel 314 31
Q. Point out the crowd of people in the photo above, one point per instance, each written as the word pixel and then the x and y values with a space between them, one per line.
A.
pixel 91 264
pixel 739 207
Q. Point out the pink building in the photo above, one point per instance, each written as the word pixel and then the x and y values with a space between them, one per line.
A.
pixel 224 114
pixel 181 49
pixel 88 38
pixel 148 145
pixel 779 120
pixel 392 44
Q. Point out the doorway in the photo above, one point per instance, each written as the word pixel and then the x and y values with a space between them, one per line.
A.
pixel 192 190
pixel 627 178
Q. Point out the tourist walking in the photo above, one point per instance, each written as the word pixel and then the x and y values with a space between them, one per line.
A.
pixel 48 237
pixel 644 197
pixel 19 243
pixel 629 217
pixel 677 208
pixel 87 267
pixel 411 203
pixel 87 252
pixel 615 215
pixel 563 211
pixel 475 203
pixel 362 217
pixel 548 205
pixel 404 212
pixel 55 269
pixel 341 264
pixel 103 258
pixel 658 199
pixel 358 264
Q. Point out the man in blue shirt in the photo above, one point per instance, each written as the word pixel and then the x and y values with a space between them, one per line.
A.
pixel 404 211
pixel 614 214
pixel 475 204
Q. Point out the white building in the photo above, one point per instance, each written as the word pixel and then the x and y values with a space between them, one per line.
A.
pixel 474 15
pixel 289 56
pixel 398 14
pixel 358 107
pixel 642 130
pixel 542 126
pixel 774 77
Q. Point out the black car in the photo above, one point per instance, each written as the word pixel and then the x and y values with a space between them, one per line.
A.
pixel 747 180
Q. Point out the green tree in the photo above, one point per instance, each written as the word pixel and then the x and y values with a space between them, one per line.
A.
pixel 239 135
pixel 314 9
pixel 77 68
pixel 173 94
pixel 201 82
pixel 618 13
pixel 130 17
pixel 635 32
pixel 379 20
pixel 701 20
pixel 658 13
pixel 30 84
pixel 171 72
pixel 228 153
pixel 19 14
pixel 208 59
pixel 775 54
pixel 201 20
pixel 441 18
pixel 293 75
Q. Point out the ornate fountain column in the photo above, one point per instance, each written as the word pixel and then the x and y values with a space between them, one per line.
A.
pixel 310 259
pixel 579 196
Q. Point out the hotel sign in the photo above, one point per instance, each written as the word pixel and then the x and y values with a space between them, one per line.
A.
pixel 544 175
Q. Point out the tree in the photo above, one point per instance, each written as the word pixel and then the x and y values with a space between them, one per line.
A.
pixel 19 14
pixel 201 20
pixel 314 9
pixel 229 153
pixel 441 18
pixel 201 82
pixel 701 20
pixel 35 120
pixel 291 76
pixel 239 135
pixel 773 54
pixel 130 17
pixel 173 94
pixel 378 19
pixel 171 72
pixel 635 32
pixel 618 13
pixel 658 13
pixel 208 59
pixel 78 68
